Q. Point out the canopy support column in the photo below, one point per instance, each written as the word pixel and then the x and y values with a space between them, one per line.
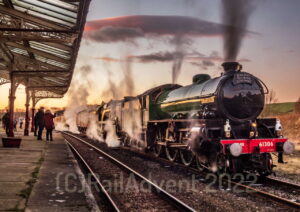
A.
pixel 12 97
pixel 33 111
pixel 26 130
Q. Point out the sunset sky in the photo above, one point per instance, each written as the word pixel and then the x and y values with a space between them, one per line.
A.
pixel 270 51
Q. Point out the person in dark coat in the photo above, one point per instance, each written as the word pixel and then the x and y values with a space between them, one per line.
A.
pixel 21 122
pixel 5 121
pixel 49 124
pixel 40 122
pixel 36 126
pixel 15 124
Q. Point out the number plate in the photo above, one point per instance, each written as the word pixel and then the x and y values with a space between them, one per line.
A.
pixel 240 78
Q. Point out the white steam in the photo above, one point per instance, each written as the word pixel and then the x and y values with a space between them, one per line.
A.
pixel 111 136
pixel 131 121
pixel 78 101
pixel 61 126
pixel 93 128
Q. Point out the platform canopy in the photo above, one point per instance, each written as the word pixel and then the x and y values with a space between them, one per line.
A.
pixel 39 43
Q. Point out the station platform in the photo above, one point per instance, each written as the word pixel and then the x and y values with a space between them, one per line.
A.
pixel 42 176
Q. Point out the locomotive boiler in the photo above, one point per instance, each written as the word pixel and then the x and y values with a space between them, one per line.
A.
pixel 236 96
pixel 212 123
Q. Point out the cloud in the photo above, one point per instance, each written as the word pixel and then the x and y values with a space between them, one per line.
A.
pixel 111 34
pixel 194 58
pixel 156 57
pixel 129 27
pixel 109 59
pixel 205 64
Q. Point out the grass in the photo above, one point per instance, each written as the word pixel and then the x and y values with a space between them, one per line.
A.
pixel 278 108
pixel 15 209
pixel 25 193
pixel 290 170
pixel 291 129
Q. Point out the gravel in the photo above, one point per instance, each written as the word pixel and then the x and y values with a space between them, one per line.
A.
pixel 196 191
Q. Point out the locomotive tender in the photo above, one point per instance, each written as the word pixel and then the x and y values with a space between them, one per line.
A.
pixel 213 122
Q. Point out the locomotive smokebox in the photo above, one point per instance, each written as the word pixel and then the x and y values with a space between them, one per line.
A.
pixel 232 66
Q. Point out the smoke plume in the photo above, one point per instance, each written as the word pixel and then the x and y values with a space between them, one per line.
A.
pixel 179 41
pixel 128 78
pixel 126 87
pixel 236 15
pixel 112 92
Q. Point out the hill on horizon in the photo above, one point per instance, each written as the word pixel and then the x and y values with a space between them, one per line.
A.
pixel 279 108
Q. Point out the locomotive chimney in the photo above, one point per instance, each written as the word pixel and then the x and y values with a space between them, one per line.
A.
pixel 231 66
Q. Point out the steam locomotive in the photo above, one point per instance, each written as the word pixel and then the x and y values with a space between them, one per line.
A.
pixel 212 123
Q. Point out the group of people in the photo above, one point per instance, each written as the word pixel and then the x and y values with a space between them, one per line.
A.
pixel 41 120
pixel 44 120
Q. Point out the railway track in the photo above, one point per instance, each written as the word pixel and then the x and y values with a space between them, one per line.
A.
pixel 252 189
pixel 109 202
pixel 269 195
pixel 285 183
pixel 166 200
pixel 273 181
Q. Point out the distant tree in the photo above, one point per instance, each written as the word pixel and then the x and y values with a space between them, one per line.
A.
pixel 270 98
pixel 297 106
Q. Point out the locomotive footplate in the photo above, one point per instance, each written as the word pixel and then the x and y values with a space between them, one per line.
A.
pixel 250 146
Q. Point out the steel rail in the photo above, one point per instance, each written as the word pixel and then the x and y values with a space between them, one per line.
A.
pixel 112 205
pixel 285 201
pixel 160 191
pixel 273 180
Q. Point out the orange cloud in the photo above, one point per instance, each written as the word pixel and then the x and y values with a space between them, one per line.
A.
pixel 127 27
pixel 109 59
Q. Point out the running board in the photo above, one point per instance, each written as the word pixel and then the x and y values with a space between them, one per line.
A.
pixel 173 144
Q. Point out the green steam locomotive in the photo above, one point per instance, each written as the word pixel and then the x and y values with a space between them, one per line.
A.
pixel 212 123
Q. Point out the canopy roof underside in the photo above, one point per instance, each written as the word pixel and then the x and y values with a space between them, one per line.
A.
pixel 39 42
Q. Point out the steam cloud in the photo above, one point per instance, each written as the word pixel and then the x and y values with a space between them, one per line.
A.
pixel 126 87
pixel 179 42
pixel 111 137
pixel 93 131
pixel 78 94
pixel 236 14
pixel 77 102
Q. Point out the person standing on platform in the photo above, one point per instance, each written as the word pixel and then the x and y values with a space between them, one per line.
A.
pixel 21 122
pixel 40 122
pixel 15 124
pixel 5 121
pixel 36 125
pixel 49 124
